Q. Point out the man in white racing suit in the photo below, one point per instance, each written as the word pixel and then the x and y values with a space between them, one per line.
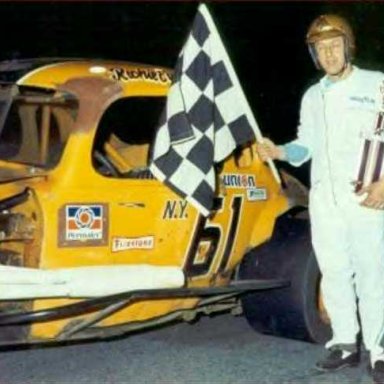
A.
pixel 336 115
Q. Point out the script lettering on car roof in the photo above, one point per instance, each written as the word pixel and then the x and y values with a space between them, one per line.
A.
pixel 152 75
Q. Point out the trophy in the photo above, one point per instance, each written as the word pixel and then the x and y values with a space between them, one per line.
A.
pixel 371 156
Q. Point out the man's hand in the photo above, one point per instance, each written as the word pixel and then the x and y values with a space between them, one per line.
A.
pixel 268 150
pixel 375 195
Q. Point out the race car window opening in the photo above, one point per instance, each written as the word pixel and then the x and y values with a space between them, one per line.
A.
pixel 125 135
pixel 36 128
pixel 7 91
pixel 244 155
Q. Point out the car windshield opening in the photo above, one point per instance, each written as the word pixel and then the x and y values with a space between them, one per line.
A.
pixel 35 125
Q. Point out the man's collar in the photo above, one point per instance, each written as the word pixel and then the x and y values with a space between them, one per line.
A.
pixel 326 82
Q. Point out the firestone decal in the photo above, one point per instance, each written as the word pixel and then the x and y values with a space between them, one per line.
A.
pixel 126 243
pixel 239 180
pixel 153 75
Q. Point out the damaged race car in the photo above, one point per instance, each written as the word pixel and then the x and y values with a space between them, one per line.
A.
pixel 93 246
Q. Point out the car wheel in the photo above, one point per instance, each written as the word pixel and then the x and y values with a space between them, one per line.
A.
pixel 295 311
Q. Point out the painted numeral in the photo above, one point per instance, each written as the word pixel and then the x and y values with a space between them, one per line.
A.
pixel 210 235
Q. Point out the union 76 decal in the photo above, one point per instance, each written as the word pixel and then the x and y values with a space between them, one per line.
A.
pixel 83 225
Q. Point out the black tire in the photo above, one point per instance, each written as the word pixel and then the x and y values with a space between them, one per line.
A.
pixel 293 311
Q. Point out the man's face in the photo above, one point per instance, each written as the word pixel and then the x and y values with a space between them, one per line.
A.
pixel 330 53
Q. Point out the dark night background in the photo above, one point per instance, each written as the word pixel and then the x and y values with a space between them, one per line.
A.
pixel 265 41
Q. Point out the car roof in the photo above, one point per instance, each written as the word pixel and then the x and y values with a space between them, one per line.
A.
pixel 51 73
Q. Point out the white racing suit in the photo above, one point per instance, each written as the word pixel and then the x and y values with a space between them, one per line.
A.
pixel 348 239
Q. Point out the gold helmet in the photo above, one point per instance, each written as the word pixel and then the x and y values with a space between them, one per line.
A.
pixel 327 26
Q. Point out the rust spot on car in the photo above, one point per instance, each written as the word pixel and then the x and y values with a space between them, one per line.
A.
pixel 95 94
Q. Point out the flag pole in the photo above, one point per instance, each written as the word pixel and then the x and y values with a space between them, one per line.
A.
pixel 259 137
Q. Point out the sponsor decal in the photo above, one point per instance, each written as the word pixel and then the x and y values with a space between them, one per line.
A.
pixel 175 209
pixel 126 243
pixel 363 99
pixel 256 194
pixel 83 224
pixel 234 180
pixel 146 74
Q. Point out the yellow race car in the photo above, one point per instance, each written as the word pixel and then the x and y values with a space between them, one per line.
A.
pixel 93 246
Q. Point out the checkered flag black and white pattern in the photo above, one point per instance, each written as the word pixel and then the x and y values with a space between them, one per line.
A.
pixel 206 116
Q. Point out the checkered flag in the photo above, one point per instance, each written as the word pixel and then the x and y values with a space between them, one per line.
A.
pixel 205 119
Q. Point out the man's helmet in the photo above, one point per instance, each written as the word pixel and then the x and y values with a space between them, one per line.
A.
pixel 327 26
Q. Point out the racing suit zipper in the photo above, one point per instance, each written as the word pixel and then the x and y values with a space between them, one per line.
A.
pixel 327 148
